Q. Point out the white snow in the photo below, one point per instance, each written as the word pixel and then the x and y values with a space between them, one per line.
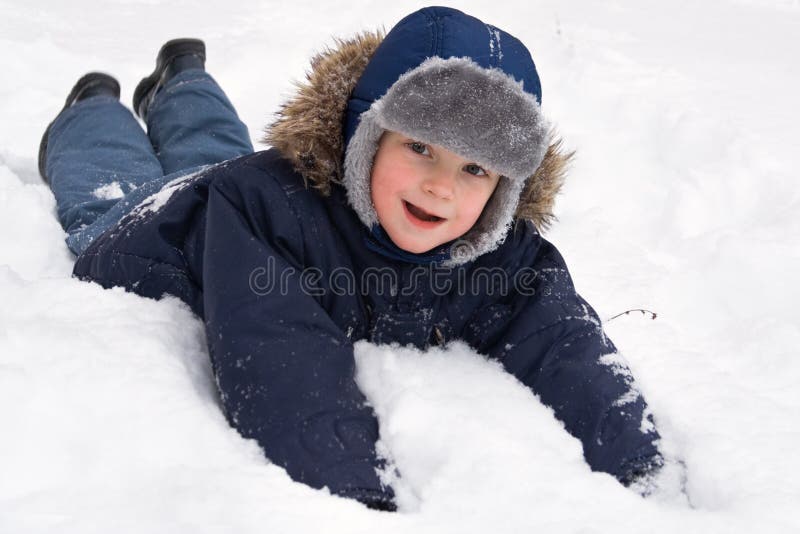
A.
pixel 109 191
pixel 158 200
pixel 683 200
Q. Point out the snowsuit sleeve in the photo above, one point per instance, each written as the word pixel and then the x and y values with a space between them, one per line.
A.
pixel 555 345
pixel 285 371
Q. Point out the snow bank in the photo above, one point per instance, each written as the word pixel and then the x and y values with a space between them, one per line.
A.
pixel 682 200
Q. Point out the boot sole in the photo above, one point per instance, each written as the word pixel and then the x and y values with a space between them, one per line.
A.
pixel 169 51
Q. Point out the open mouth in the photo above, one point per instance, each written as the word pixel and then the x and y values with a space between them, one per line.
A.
pixel 420 213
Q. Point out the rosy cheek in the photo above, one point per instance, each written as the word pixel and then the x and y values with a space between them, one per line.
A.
pixel 381 193
pixel 474 218
pixel 478 204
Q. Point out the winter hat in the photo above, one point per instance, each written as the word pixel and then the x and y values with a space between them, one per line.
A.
pixel 446 78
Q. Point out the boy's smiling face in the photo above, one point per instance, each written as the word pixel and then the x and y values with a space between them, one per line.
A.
pixel 425 195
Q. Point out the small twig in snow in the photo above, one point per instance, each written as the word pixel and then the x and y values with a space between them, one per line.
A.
pixel 644 312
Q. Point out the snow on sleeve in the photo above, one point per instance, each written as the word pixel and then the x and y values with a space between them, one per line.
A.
pixel 158 200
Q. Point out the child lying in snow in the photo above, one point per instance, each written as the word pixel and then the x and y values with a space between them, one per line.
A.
pixel 400 203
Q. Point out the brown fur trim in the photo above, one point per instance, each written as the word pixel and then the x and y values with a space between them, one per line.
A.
pixel 538 198
pixel 308 128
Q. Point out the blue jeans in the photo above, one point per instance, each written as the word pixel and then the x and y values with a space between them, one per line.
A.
pixel 101 164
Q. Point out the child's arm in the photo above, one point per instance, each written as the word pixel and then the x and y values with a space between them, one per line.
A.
pixel 285 371
pixel 556 345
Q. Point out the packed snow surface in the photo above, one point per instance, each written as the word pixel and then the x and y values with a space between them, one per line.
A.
pixel 683 200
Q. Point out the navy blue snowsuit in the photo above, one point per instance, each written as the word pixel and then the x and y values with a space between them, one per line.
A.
pixel 283 357
pixel 287 279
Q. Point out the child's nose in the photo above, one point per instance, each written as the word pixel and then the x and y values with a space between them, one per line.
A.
pixel 440 183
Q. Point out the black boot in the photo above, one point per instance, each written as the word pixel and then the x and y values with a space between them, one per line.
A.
pixel 91 84
pixel 175 56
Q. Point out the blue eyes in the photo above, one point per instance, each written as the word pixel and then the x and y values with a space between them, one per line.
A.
pixel 419 148
pixel 477 170
pixel 422 149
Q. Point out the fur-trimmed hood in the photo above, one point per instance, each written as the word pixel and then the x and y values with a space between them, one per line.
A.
pixel 308 130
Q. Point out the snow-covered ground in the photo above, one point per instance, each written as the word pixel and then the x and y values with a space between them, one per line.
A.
pixel 683 200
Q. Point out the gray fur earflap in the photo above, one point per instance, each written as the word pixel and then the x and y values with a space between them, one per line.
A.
pixel 481 114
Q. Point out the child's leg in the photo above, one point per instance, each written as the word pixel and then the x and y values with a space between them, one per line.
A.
pixel 191 122
pixel 96 153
